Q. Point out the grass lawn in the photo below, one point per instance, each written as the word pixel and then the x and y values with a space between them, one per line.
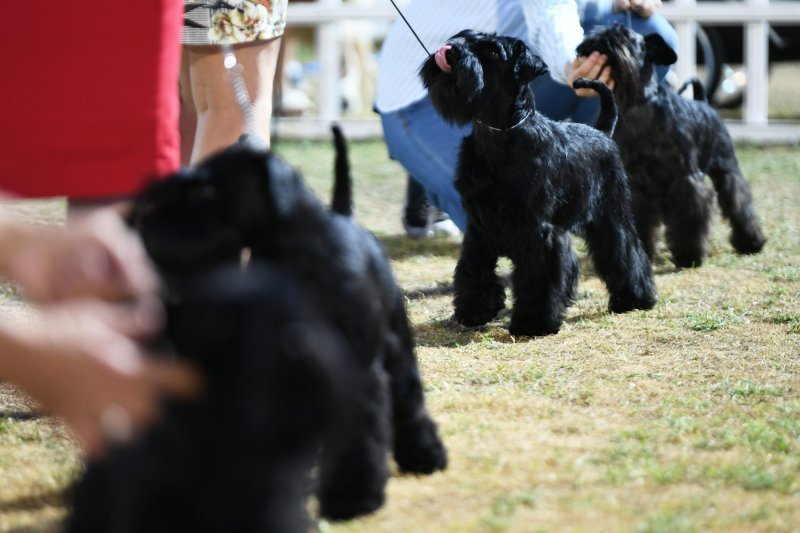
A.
pixel 682 418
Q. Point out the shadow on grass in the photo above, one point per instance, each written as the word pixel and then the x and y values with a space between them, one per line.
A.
pixel 400 247
pixel 440 289
pixel 449 334
pixel 32 502
pixel 19 415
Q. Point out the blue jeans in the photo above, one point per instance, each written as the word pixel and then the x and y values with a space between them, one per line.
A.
pixel 427 147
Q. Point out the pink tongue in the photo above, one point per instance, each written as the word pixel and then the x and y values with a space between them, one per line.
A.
pixel 441 60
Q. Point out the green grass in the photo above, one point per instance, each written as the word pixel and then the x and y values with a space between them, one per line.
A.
pixel 682 418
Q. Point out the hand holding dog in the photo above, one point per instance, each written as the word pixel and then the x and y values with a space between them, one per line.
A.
pixel 592 67
pixel 95 256
pixel 80 360
pixel 79 354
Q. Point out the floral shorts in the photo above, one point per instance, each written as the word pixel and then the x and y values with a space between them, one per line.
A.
pixel 238 21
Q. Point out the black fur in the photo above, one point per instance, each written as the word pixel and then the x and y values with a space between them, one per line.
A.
pixel 526 182
pixel 236 458
pixel 192 223
pixel 669 144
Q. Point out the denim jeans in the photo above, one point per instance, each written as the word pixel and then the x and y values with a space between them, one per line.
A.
pixel 427 147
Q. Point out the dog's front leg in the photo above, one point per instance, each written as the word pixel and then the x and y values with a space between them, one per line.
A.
pixel 545 278
pixel 479 293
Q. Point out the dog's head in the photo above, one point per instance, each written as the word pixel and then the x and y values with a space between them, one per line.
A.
pixel 475 75
pixel 205 215
pixel 630 56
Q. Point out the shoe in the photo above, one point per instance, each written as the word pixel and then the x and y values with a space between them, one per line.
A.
pixel 421 219
pixel 443 225
pixel 416 215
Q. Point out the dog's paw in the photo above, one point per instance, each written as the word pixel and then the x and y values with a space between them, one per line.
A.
pixel 748 243
pixel 626 304
pixel 533 326
pixel 418 449
pixel 349 508
pixel 687 261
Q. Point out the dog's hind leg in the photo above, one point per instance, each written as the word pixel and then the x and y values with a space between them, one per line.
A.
pixel 545 278
pixel 647 218
pixel 736 203
pixel 479 293
pixel 621 261
pixel 417 446
pixel 687 217
pixel 353 471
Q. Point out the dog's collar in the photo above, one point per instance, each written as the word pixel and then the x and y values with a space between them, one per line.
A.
pixel 517 125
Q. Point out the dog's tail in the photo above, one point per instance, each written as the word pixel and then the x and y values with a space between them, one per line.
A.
pixel 698 91
pixel 607 120
pixel 342 200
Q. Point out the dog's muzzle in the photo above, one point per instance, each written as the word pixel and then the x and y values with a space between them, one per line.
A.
pixel 441 58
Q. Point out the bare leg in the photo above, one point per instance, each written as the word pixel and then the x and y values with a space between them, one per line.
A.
pixel 188 122
pixel 219 119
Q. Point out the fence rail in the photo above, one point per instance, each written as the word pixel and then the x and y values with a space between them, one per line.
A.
pixel 754 15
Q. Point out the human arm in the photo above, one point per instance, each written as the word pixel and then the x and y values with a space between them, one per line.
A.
pixel 96 255
pixel 82 360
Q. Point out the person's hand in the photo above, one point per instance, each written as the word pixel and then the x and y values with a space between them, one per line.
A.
pixel 96 256
pixel 81 361
pixel 593 67
pixel 643 8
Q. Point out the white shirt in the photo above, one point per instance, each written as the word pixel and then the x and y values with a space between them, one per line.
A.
pixel 550 27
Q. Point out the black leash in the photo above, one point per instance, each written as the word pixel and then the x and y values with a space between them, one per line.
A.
pixel 410 28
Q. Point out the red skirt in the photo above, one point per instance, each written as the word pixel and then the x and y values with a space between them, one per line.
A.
pixel 90 96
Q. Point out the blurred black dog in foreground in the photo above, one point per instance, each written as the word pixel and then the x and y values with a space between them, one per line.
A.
pixel 668 144
pixel 237 458
pixel 526 182
pixel 249 199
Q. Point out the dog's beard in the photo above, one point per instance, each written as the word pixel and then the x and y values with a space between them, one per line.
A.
pixel 453 94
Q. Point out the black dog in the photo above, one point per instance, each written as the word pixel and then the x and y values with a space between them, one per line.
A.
pixel 238 457
pixel 668 144
pixel 525 182
pixel 249 199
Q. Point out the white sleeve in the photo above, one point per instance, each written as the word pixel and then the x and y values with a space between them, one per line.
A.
pixel 555 32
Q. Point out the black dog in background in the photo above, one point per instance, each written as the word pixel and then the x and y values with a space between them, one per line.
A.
pixel 526 182
pixel 669 144
pixel 249 199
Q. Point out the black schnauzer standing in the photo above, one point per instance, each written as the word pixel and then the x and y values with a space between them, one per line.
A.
pixel 526 182
pixel 249 199
pixel 669 144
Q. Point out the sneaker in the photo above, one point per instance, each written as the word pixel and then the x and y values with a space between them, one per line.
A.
pixel 441 224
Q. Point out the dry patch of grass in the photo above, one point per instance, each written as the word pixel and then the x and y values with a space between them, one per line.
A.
pixel 682 418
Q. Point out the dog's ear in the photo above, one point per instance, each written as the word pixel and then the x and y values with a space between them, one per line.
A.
pixel 527 65
pixel 658 51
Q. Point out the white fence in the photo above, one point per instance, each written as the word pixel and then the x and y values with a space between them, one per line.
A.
pixel 754 15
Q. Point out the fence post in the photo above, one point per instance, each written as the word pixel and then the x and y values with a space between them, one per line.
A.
pixel 687 43
pixel 757 67
pixel 329 56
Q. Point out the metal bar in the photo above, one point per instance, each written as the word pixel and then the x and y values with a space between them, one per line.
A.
pixel 779 12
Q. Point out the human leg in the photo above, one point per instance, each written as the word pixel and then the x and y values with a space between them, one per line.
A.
pixel 428 149
pixel 188 113
pixel 219 119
